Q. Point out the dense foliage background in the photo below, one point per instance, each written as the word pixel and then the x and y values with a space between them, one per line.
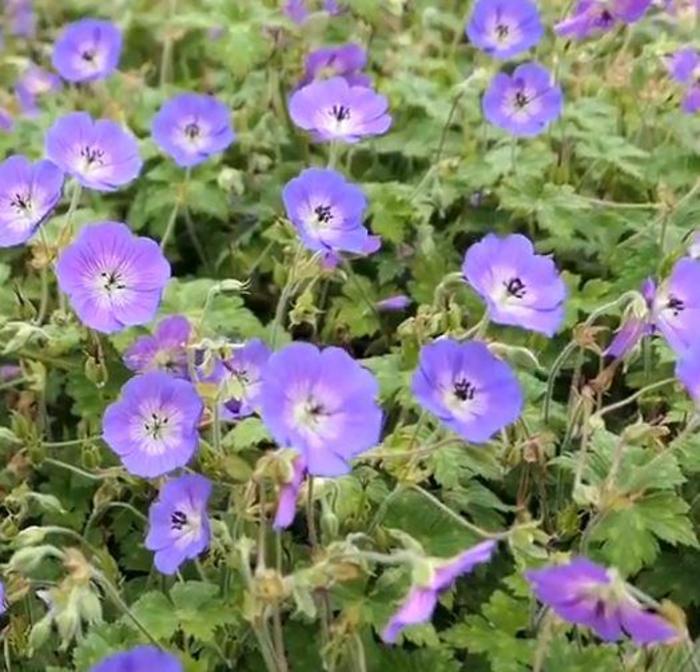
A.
pixel 611 190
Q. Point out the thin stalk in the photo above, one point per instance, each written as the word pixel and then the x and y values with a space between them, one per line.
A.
pixel 311 514
pixel 166 57
pixel 633 397
pixel 170 226
pixel 75 470
pixel 281 309
pixel 262 527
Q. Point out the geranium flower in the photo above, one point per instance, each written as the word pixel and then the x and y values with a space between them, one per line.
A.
pixel 684 67
pixel 520 287
pixel 688 372
pixel 139 659
pixel 396 303
pixel 192 127
pixel 113 278
pixel 165 350
pixel 524 103
pixel 152 427
pixel 28 194
pixel 242 379
pixel 3 599
pixel 34 83
pixel 504 28
pixel 467 388
pixel 588 594
pixel 327 211
pixel 322 404
pixel 178 524
pixel 289 492
pixel 332 109
pixel 344 60
pixel 298 10
pixel 597 16
pixel 87 50
pixel 100 154
pixel 7 122
pixel 421 601
pixel 21 17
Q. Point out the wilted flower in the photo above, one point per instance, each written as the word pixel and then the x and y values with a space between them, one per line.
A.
pixel 394 303
pixel 520 287
pixel 421 601
pixel 178 527
pixel 345 60
pixel 152 427
pixel 34 83
pixel 21 17
pixel 467 388
pixel 672 309
pixel 322 404
pixel 332 109
pixel 524 103
pixel 28 194
pixel 684 67
pixel 327 211
pixel 165 350
pixel 100 154
pixel 504 28
pixel 287 502
pixel 597 16
pixel 87 50
pixel 242 379
pixel 113 278
pixel 139 659
pixel 588 594
pixel 192 127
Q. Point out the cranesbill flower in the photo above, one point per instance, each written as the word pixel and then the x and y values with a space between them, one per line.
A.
pixel 397 303
pixel 673 309
pixel 520 287
pixel 100 154
pixel 165 350
pixel 139 659
pixel 21 17
pixel 326 210
pixel 504 28
pixel 419 605
pixel 178 524
pixel 152 427
pixel 684 67
pixel 345 60
pixel 467 388
pixel 322 404
pixel 298 10
pixel 87 50
pixel 289 492
pixel 242 379
pixel 588 594
pixel 3 601
pixel 688 372
pixel 192 127
pixel 6 121
pixel 598 16
pixel 28 194
pixel 113 278
pixel 524 103
pixel 34 83
pixel 332 109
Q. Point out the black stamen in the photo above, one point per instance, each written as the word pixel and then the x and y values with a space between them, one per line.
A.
pixel 323 213
pixel 502 31
pixel 178 520
pixel 464 390
pixel 521 100
pixel 88 55
pixel 21 202
pixel 192 131
pixel 92 155
pixel 340 112
pixel 676 305
pixel 516 288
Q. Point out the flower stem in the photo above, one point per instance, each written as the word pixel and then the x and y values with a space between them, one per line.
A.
pixel 281 309
pixel 170 226
pixel 633 397
pixel 311 514
pixel 167 54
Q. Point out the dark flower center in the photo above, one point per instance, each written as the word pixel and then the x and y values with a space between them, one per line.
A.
pixel 112 281
pixel 676 305
pixel 155 425
pixel 323 214
pixel 340 112
pixel 521 100
pixel 192 130
pixel 464 390
pixel 21 202
pixel 92 155
pixel 515 287
pixel 178 520
pixel 88 55
pixel 606 17
pixel 502 31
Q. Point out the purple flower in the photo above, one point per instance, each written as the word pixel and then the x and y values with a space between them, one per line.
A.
pixel 287 503
pixel 3 599
pixel 7 122
pixel 331 109
pixel 192 127
pixel 524 103
pixel 21 17
pixel 113 278
pixel 470 390
pixel 10 372
pixel 419 605
pixel 504 28
pixel 688 372
pixel 520 287
pixel 684 67
pixel 165 350
pixel 34 83
pixel 345 60
pixel 87 50
pixel 597 16
pixel 394 303
pixel 298 11
pixel 588 594
pixel 100 154
pixel 139 659
pixel 28 194
pixel 152 427
pixel 242 379
pixel 178 524
pixel 322 404
pixel 327 211
pixel 673 309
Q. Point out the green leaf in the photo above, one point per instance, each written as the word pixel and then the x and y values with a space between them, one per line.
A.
pixel 155 611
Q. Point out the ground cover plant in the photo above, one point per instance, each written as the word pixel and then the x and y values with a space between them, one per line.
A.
pixel 349 335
